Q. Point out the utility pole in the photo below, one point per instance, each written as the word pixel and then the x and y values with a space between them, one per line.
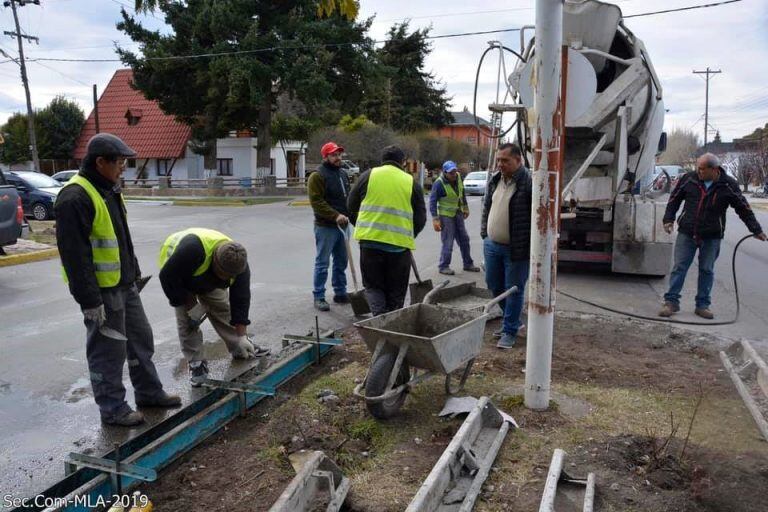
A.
pixel 706 99
pixel 547 165
pixel 19 36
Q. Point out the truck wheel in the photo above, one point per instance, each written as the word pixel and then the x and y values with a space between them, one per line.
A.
pixel 376 383
pixel 39 211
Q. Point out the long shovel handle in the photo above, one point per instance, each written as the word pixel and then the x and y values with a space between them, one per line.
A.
pixel 413 266
pixel 428 297
pixel 345 233
pixel 499 298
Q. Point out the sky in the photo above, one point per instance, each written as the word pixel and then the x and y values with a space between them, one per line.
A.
pixel 731 38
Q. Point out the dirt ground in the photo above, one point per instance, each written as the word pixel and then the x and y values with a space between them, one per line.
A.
pixel 624 395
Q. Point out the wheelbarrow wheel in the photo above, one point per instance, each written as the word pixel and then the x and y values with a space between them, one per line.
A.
pixel 376 384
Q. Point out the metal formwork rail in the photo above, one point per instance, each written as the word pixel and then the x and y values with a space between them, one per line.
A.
pixel 158 446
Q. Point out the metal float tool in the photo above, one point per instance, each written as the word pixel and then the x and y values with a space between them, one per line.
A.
pixel 749 374
pixel 318 483
pixel 556 476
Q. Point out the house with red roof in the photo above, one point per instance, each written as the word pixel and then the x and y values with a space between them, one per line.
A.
pixel 162 143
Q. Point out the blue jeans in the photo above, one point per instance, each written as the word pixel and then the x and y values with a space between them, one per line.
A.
pixel 454 229
pixel 330 241
pixel 685 250
pixel 501 273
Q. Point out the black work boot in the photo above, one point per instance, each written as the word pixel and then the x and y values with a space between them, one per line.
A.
pixel 162 400
pixel 129 418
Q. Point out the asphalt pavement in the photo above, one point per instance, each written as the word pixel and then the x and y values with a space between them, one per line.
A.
pixel 46 404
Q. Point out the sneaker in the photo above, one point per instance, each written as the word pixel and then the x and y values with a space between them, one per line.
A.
pixel 498 334
pixel 341 299
pixel 471 268
pixel 322 305
pixel 704 313
pixel 522 332
pixel 130 418
pixel 447 271
pixel 198 372
pixel 506 341
pixel 669 309
pixel 162 400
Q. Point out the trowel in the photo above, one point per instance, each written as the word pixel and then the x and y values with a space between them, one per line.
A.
pixel 117 335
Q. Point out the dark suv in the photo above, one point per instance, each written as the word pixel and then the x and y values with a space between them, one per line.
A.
pixel 37 191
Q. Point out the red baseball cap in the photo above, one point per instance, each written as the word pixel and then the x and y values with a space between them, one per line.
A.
pixel 330 147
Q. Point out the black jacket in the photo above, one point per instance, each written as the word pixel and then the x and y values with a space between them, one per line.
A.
pixel 519 213
pixel 328 189
pixel 74 218
pixel 179 282
pixel 357 194
pixel 704 210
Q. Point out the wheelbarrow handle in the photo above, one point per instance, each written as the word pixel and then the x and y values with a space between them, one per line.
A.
pixel 429 295
pixel 498 298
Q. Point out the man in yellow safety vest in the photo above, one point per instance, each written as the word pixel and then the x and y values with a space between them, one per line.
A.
pixel 197 266
pixel 448 206
pixel 386 205
pixel 101 269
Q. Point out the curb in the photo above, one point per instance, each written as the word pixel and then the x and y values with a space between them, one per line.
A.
pixel 299 203
pixel 183 202
pixel 29 257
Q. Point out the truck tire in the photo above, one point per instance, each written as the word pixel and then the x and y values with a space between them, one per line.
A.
pixel 376 383
pixel 40 211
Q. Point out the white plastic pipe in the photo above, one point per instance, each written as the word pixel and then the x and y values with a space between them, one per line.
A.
pixel 545 204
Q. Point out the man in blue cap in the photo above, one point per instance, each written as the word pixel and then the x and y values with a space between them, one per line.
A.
pixel 448 206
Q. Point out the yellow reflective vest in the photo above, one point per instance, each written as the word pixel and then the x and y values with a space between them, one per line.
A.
pixel 104 246
pixel 210 239
pixel 450 203
pixel 386 214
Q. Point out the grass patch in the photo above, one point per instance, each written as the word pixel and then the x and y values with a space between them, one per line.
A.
pixel 43 232
pixel 228 201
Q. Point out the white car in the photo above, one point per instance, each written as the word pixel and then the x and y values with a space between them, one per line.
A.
pixel 474 183
pixel 63 176
pixel 351 167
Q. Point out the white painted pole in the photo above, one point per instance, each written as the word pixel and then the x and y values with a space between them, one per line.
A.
pixel 545 203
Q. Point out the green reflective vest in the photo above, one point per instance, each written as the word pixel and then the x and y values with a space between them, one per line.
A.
pixel 386 214
pixel 209 237
pixel 104 246
pixel 448 205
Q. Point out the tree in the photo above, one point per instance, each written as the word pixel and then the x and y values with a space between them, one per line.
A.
pixel 351 124
pixel 59 125
pixel 256 52
pixel 400 93
pixel 15 133
pixel 681 147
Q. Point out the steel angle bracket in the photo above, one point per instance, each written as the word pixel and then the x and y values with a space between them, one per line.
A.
pixel 556 475
pixel 319 478
pixel 455 481
pixel 311 340
pixel 742 362
pixel 76 460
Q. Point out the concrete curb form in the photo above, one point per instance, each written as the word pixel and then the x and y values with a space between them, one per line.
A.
pixel 28 257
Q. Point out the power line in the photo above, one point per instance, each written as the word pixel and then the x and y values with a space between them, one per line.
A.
pixel 689 8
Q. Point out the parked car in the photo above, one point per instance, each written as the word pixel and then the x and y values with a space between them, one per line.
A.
pixel 12 224
pixel 63 176
pixel 351 167
pixel 37 191
pixel 474 183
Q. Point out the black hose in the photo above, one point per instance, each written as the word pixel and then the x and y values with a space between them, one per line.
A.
pixel 670 320
pixel 477 79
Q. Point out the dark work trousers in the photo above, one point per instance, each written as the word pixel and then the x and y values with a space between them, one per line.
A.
pixel 385 277
pixel 453 228
pixel 107 356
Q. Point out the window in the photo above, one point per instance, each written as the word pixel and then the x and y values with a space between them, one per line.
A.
pixel 224 166
pixel 131 163
pixel 471 140
pixel 163 167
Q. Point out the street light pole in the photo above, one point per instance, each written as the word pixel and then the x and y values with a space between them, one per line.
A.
pixel 547 147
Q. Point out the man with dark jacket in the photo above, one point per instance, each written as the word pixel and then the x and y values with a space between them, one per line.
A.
pixel 707 193
pixel 101 269
pixel 328 188
pixel 197 266
pixel 387 208
pixel 505 227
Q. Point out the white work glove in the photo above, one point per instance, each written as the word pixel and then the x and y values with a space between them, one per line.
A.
pixel 96 315
pixel 195 315
pixel 244 348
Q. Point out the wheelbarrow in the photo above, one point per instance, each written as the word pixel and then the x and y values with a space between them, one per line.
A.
pixel 466 296
pixel 429 338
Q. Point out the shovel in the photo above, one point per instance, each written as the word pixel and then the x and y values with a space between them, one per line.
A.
pixel 117 335
pixel 357 298
pixel 419 289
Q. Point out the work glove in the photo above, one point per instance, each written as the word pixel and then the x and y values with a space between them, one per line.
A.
pixel 196 315
pixel 244 348
pixel 96 315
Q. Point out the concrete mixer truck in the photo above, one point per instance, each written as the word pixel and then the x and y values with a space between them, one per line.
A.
pixel 614 116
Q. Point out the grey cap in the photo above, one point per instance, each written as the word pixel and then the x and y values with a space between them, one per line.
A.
pixel 231 258
pixel 108 145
